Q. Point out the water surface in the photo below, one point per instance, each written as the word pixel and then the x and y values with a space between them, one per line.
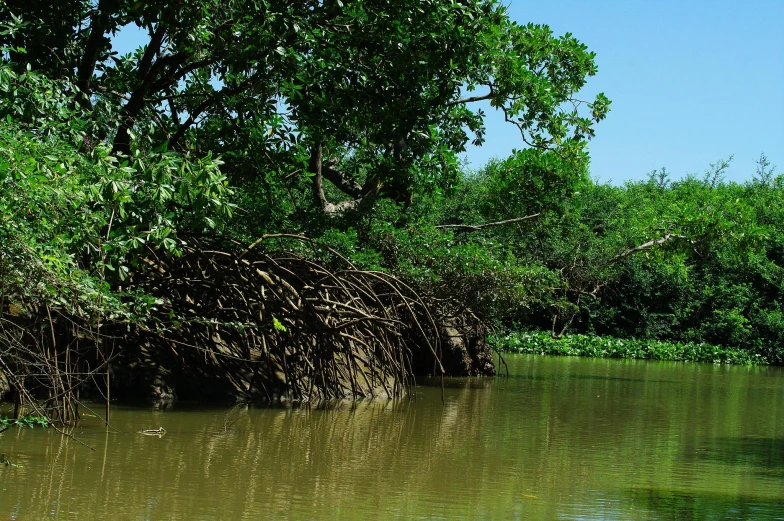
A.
pixel 560 439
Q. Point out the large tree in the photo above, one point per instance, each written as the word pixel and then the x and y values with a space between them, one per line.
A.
pixel 373 97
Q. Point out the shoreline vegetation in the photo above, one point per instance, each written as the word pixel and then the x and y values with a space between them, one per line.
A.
pixel 265 201
pixel 543 343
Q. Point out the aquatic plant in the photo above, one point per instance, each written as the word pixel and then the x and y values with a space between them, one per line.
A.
pixel 27 420
pixel 541 342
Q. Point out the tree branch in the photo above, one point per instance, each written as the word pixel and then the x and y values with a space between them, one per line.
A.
pixel 648 245
pixel 367 194
pixel 344 183
pixel 98 27
pixel 216 97
pixel 477 227
pixel 471 99
pixel 151 84
pixel 156 39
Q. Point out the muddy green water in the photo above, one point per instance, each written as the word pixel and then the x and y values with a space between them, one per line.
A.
pixel 562 438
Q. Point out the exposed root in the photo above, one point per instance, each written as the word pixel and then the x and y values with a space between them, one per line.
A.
pixel 280 326
pixel 250 325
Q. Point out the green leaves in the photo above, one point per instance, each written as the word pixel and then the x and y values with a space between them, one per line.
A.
pixel 73 216
pixel 278 325
pixel 27 420
pixel 609 347
pixel 378 86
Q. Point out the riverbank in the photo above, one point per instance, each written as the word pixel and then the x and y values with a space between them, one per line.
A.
pixel 542 342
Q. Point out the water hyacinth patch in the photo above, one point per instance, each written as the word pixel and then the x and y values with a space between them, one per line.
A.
pixel 542 342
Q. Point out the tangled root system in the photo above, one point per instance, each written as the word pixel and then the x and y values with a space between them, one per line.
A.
pixel 281 326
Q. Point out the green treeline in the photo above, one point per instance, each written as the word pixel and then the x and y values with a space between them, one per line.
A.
pixel 694 260
pixel 340 123
pixel 690 262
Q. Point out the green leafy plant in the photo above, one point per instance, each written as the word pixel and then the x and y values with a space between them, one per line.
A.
pixel 28 420
pixel 542 342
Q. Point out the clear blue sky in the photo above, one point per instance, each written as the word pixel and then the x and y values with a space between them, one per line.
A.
pixel 691 82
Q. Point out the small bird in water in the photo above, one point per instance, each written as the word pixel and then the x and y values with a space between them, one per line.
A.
pixel 160 431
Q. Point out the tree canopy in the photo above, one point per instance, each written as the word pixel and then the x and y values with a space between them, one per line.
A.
pixel 372 98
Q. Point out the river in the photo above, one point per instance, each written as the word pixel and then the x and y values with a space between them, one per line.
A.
pixel 560 439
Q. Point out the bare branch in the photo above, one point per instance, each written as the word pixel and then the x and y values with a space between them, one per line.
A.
pixel 477 227
pixel 648 245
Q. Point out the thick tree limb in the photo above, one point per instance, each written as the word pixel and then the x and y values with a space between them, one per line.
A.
pixel 344 183
pixel 477 227
pixel 156 40
pixel 367 194
pixel 99 25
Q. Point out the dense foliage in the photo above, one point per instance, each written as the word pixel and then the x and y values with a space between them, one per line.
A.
pixel 695 260
pixel 316 109
pixel 343 121
pixel 330 120
pixel 690 261
pixel 361 98
pixel 75 220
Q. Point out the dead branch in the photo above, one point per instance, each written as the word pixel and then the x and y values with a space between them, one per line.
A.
pixel 648 245
pixel 477 227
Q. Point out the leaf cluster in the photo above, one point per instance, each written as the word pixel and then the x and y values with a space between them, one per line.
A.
pixel 74 217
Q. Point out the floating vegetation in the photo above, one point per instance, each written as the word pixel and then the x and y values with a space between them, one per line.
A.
pixel 542 342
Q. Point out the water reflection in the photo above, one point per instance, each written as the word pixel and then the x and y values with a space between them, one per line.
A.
pixel 666 504
pixel 760 455
pixel 562 438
